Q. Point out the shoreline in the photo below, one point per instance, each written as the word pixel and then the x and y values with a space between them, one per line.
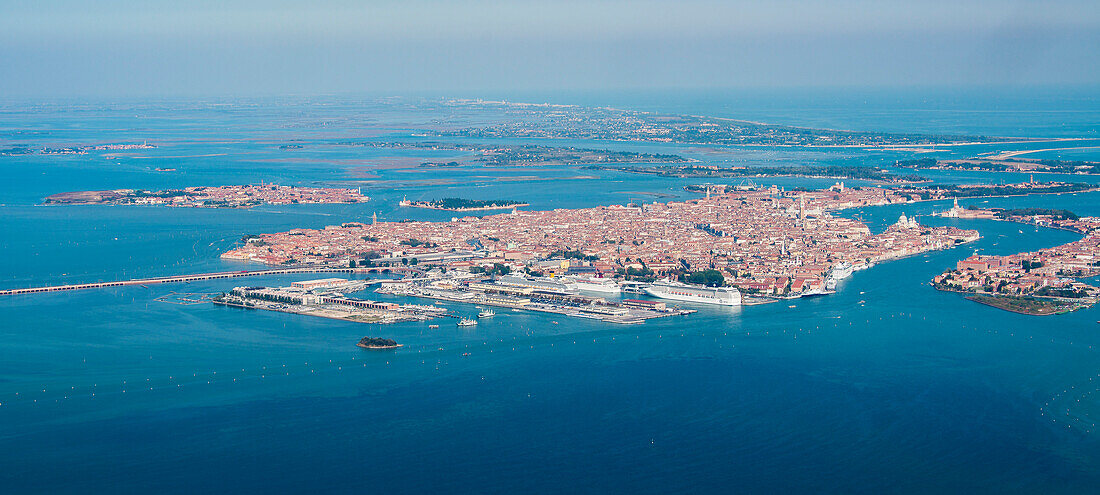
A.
pixel 991 301
pixel 473 208
pixel 379 347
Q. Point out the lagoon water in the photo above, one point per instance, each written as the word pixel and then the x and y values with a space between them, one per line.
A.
pixel 886 386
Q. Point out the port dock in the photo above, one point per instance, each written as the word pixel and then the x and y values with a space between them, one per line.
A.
pixel 529 300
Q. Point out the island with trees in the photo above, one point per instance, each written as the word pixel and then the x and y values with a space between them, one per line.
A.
pixel 1026 305
pixel 519 155
pixel 1005 164
pixel 461 204
pixel 378 343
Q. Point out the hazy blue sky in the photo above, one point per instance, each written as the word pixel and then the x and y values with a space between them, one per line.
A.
pixel 116 47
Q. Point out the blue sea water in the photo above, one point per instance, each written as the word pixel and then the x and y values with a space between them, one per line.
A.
pixel 886 386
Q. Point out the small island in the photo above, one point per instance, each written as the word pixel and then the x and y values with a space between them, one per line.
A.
pixel 377 343
pixel 23 149
pixel 459 204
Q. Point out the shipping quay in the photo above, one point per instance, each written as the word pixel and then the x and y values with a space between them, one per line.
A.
pixel 325 298
pixel 209 276
pixel 531 297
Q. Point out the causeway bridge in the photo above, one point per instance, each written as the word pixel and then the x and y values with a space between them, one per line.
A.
pixel 210 276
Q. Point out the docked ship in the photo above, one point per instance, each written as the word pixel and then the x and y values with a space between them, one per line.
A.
pixel 592 284
pixel 540 284
pixel 724 296
pixel 839 272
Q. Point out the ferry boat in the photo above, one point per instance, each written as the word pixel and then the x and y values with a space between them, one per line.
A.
pixel 723 296
pixel 466 322
pixel 592 284
pixel 486 313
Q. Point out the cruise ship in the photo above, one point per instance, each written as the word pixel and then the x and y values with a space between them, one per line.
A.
pixel 593 284
pixel 724 296
pixel 537 283
pixel 839 272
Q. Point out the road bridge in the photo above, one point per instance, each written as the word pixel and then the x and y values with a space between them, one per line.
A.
pixel 209 276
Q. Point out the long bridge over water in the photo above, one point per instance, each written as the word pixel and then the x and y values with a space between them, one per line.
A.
pixel 208 276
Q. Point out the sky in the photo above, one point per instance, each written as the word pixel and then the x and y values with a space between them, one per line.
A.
pixel 155 47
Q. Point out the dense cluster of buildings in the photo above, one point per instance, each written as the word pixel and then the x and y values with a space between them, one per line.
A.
pixel 1048 272
pixel 72 150
pixel 213 197
pixel 767 241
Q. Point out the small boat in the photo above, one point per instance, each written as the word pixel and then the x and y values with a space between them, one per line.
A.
pixel 486 313
pixel 433 326
pixel 466 322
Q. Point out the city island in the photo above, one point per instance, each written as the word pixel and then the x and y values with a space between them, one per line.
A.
pixel 1042 282
pixel 740 247
pixel 211 197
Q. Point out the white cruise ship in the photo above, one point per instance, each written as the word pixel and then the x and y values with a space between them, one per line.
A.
pixel 724 296
pixel 592 284
pixel 839 272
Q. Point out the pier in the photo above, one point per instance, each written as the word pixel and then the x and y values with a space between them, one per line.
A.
pixel 208 276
